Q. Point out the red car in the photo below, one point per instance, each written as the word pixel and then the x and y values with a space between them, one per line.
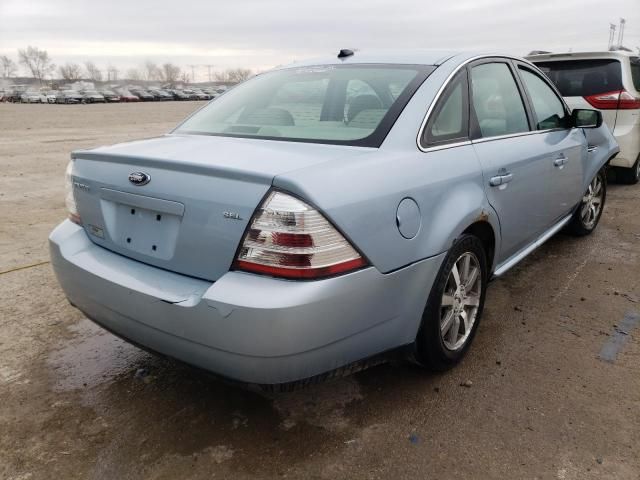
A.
pixel 128 97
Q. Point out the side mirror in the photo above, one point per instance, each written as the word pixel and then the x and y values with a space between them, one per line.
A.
pixel 586 118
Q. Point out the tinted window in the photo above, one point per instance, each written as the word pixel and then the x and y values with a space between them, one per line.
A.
pixel 360 96
pixel 550 112
pixel 496 100
pixel 450 119
pixel 635 72
pixel 341 104
pixel 303 100
pixel 581 78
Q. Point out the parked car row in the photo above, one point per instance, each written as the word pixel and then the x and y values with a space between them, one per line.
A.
pixel 68 96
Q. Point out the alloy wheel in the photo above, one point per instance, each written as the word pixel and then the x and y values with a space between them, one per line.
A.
pixel 592 203
pixel 460 301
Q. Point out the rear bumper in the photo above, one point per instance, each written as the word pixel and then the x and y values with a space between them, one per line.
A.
pixel 246 327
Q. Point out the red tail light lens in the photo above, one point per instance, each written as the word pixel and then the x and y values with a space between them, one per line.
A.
pixel 628 101
pixel 288 238
pixel 619 99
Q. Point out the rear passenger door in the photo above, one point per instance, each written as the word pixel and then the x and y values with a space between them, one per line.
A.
pixel 564 147
pixel 514 161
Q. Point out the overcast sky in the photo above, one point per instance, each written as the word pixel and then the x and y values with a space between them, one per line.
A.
pixel 260 34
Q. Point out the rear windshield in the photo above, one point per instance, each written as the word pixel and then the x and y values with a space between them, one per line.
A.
pixel 635 72
pixel 338 104
pixel 581 78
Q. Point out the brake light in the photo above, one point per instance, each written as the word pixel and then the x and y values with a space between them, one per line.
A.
pixel 70 200
pixel 619 99
pixel 288 238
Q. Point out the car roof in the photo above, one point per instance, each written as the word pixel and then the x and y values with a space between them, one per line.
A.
pixel 616 54
pixel 400 57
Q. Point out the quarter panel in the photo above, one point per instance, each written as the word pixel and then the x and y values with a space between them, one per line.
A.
pixel 362 197
pixel 627 134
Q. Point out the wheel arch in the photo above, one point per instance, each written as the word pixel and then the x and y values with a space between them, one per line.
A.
pixel 485 232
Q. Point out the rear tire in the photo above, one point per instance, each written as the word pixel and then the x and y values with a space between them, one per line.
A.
pixel 630 176
pixel 452 314
pixel 587 215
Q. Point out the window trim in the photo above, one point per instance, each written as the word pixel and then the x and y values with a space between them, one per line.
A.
pixel 464 65
pixel 463 77
pixel 534 71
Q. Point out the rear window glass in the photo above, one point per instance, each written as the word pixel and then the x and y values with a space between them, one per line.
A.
pixel 339 104
pixel 581 78
pixel 635 72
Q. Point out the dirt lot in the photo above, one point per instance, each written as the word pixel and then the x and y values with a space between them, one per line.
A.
pixel 75 402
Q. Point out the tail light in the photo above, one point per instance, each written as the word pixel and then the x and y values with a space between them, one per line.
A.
pixel 288 238
pixel 620 99
pixel 70 200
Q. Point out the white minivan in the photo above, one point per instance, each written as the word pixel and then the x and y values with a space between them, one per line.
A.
pixel 609 82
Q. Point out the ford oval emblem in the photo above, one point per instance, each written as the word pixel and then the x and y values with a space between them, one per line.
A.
pixel 139 178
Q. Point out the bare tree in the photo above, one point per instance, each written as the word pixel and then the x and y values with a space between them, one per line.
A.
pixel 170 73
pixel 70 71
pixel 9 67
pixel 37 62
pixel 93 72
pixel 235 75
pixel 134 74
pixel 185 78
pixel 222 76
pixel 240 74
pixel 151 71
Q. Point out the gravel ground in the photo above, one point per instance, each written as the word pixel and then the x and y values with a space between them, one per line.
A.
pixel 533 399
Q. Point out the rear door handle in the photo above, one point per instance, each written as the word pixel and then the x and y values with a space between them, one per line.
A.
pixel 500 179
pixel 592 148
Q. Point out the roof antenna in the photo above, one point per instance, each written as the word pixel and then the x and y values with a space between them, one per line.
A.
pixel 345 52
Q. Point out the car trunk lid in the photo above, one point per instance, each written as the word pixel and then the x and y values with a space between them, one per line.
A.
pixel 190 215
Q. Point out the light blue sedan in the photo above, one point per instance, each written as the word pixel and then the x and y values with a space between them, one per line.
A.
pixel 323 216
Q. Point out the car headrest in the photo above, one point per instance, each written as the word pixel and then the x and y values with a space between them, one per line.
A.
pixel 268 116
pixel 360 103
pixel 369 118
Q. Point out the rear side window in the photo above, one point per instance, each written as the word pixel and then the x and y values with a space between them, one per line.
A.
pixel 496 101
pixel 550 112
pixel 582 78
pixel 635 72
pixel 450 119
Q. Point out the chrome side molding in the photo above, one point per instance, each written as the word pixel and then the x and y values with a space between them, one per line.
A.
pixel 519 256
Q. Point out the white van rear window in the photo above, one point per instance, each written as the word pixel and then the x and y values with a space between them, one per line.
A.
pixel 582 78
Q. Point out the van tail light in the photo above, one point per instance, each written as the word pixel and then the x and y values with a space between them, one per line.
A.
pixel 618 100
pixel 288 238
